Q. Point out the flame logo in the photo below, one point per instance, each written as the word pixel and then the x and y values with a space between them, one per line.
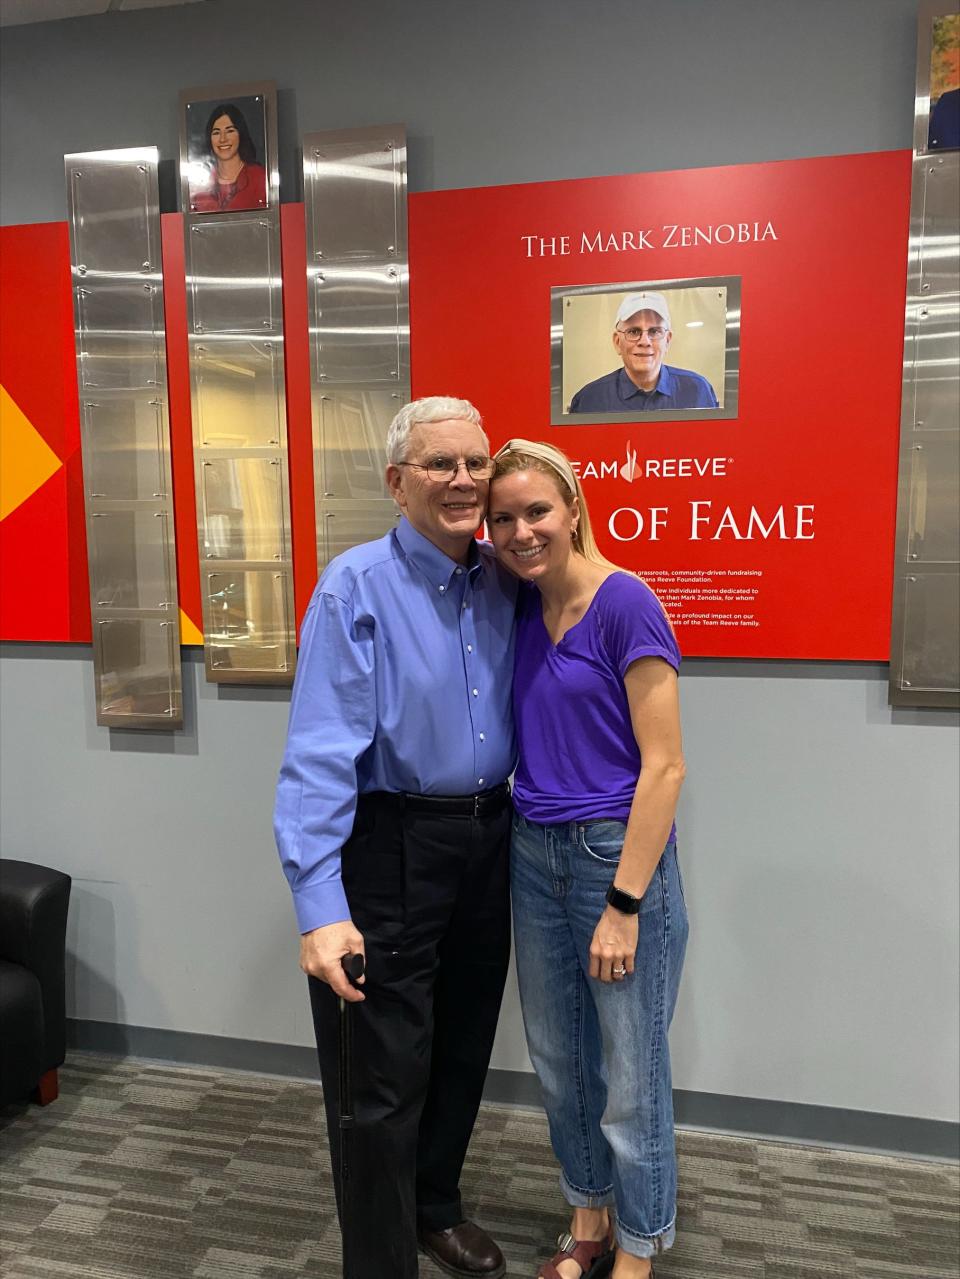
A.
pixel 628 471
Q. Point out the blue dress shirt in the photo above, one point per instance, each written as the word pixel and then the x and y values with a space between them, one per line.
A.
pixel 403 684
pixel 675 389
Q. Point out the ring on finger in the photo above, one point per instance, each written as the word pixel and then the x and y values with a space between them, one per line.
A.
pixel 619 972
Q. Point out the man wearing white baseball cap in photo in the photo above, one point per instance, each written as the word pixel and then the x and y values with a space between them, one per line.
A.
pixel 641 337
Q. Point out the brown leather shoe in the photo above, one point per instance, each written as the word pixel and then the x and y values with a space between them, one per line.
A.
pixel 465 1251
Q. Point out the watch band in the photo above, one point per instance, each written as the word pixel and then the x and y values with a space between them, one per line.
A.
pixel 624 902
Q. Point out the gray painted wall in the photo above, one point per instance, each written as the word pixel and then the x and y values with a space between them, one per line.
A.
pixel 819 828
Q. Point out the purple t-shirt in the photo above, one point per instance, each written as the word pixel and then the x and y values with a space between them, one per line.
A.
pixel 579 759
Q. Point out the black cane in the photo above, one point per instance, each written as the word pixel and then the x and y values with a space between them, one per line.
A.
pixel 352 965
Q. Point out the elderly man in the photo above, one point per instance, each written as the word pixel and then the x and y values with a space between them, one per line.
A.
pixel 392 821
pixel 641 337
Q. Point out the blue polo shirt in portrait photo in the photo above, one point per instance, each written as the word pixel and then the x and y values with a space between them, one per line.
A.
pixel 675 389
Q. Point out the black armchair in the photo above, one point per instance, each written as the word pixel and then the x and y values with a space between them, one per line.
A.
pixel 33 928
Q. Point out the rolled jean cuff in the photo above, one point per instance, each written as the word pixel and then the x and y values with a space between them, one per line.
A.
pixel 638 1245
pixel 578 1197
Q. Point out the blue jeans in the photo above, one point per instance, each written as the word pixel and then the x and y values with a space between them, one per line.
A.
pixel 600 1049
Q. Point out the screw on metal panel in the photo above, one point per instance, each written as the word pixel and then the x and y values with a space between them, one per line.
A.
pixel 275 461
pixel 388 147
pixel 911 579
pixel 81 269
pixel 391 248
pixel 914 555
pixel 148 288
pixel 141 168
pixel 266 323
pixel 391 273
pixel 331 515
pixel 158 515
pixel 906 684
pixel 95 515
pixel 317 152
pixel 278 577
pixel 924 312
pixel 925 288
pixel 78 173
pixel 329 493
pixel 208 464
pixel 918 447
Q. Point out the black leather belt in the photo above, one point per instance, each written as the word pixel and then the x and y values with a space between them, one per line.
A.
pixel 486 803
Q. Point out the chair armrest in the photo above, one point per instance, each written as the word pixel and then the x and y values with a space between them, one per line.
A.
pixel 33 931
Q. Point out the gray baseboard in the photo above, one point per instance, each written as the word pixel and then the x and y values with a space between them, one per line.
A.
pixel 743 1116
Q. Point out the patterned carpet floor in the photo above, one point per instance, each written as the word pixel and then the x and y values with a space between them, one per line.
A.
pixel 151 1171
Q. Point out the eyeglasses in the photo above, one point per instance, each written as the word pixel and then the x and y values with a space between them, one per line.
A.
pixel 442 468
pixel 655 333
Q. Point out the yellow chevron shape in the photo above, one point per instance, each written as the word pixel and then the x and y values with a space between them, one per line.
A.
pixel 189 632
pixel 26 459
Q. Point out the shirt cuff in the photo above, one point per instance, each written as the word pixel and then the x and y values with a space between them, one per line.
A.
pixel 320 904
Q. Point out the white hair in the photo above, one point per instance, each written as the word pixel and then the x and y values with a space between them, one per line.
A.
pixel 433 408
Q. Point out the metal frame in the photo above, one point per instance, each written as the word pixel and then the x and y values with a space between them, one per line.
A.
pixel 731 387
pixel 234 320
pixel 358 303
pixel 928 490
pixel 121 368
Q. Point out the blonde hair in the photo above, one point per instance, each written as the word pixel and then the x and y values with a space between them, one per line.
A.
pixel 530 455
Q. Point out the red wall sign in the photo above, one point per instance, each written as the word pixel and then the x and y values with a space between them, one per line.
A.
pixel 767 535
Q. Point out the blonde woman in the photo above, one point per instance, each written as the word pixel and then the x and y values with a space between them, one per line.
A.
pixel 599 915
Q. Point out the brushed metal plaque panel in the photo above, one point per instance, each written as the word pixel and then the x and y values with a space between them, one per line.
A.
pixel 355 196
pixel 136 661
pixel 359 188
pixel 234 273
pixel 243 508
pixel 124 447
pixel 120 335
pixel 238 393
pixel 931 661
pixel 349 441
pixel 114 219
pixel 357 330
pixel 249 631
pixel 114 209
pixel 934 530
pixel 925 630
pixel 346 524
pixel 129 558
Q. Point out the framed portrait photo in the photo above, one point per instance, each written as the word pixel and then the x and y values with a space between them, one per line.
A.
pixel 227 149
pixel 645 350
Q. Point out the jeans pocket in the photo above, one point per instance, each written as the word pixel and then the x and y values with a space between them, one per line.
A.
pixel 603 840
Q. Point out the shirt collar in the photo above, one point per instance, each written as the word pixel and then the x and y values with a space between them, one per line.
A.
pixel 627 389
pixel 436 566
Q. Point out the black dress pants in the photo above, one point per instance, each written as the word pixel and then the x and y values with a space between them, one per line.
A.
pixel 429 892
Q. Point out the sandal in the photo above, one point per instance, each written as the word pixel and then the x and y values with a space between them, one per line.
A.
pixel 594 1257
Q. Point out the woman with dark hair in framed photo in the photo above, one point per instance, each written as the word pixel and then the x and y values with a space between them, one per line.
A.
pixel 233 180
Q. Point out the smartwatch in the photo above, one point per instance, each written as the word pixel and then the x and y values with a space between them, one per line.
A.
pixel 626 903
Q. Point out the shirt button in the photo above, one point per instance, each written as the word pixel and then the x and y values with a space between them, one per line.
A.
pixel 475 693
pixel 479 781
pixel 442 589
pixel 458 571
pixel 463 605
pixel 482 738
pixel 469 648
